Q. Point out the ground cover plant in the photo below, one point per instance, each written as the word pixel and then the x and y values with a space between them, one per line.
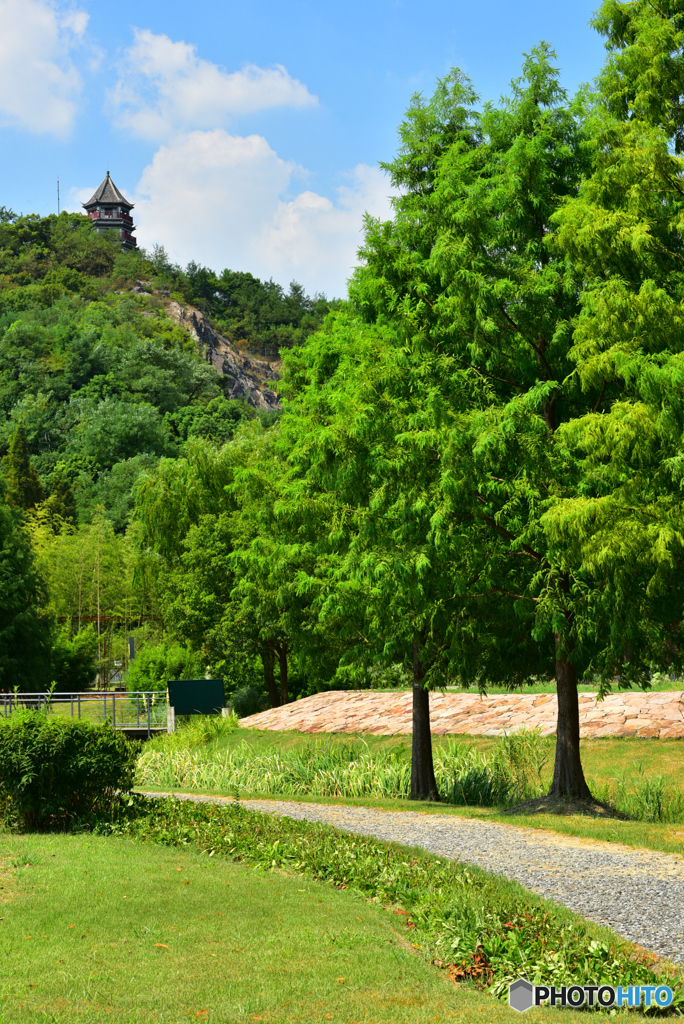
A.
pixel 479 927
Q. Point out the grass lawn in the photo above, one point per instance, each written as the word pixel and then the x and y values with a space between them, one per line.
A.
pixel 95 928
pixel 661 684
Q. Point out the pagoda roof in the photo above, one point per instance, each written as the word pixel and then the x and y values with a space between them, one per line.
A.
pixel 107 193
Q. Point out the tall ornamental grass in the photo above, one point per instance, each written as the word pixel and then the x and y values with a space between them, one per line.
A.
pixel 642 797
pixel 512 772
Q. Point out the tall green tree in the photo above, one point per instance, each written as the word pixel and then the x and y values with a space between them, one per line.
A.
pixel 623 232
pixel 272 555
pixel 25 634
pixel 361 442
pixel 22 484
pixel 540 252
pixel 466 278
pixel 230 574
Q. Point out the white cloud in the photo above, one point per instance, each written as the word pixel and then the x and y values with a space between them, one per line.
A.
pixel 313 238
pixel 39 85
pixel 164 87
pixel 201 193
pixel 217 198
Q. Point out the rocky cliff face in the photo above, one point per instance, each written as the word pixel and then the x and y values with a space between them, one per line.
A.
pixel 251 378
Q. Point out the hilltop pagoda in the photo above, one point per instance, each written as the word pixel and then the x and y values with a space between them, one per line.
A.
pixel 110 210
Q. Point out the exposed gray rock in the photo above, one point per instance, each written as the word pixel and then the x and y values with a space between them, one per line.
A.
pixel 251 378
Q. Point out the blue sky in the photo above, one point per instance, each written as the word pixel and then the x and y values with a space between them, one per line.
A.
pixel 247 134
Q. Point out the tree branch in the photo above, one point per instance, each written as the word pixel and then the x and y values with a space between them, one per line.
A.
pixel 600 397
pixel 508 535
pixel 532 345
pixel 510 593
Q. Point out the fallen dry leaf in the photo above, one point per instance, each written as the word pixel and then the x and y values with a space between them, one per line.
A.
pixel 161 945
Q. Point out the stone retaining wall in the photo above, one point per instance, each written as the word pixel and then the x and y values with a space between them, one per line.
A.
pixel 388 714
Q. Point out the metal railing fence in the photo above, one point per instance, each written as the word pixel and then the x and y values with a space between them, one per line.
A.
pixel 140 710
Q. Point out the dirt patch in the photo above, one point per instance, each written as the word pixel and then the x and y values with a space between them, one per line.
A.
pixel 562 806
pixel 7 873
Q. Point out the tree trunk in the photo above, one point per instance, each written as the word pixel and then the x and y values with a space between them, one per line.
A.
pixel 282 663
pixel 568 776
pixel 423 783
pixel 268 661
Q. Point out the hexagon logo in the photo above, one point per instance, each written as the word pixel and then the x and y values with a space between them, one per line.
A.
pixel 521 995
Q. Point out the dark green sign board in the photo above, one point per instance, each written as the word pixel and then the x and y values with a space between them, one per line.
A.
pixel 196 696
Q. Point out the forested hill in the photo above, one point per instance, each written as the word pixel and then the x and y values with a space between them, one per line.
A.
pixel 110 360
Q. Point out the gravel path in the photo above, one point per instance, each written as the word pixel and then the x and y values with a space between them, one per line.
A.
pixel 637 893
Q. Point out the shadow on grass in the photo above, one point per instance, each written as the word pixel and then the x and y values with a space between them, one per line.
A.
pixel 565 806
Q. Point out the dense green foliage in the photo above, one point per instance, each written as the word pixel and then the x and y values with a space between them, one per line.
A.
pixel 97 383
pixel 486 928
pixel 228 575
pixel 152 668
pixel 25 656
pixel 477 476
pixel 55 772
pixel 74 658
pixel 478 472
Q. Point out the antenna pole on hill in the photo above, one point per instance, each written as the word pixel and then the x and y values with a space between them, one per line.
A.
pixel 58 197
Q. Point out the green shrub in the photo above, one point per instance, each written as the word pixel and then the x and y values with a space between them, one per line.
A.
pixel 55 772
pixel 74 659
pixel 248 700
pixel 152 667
